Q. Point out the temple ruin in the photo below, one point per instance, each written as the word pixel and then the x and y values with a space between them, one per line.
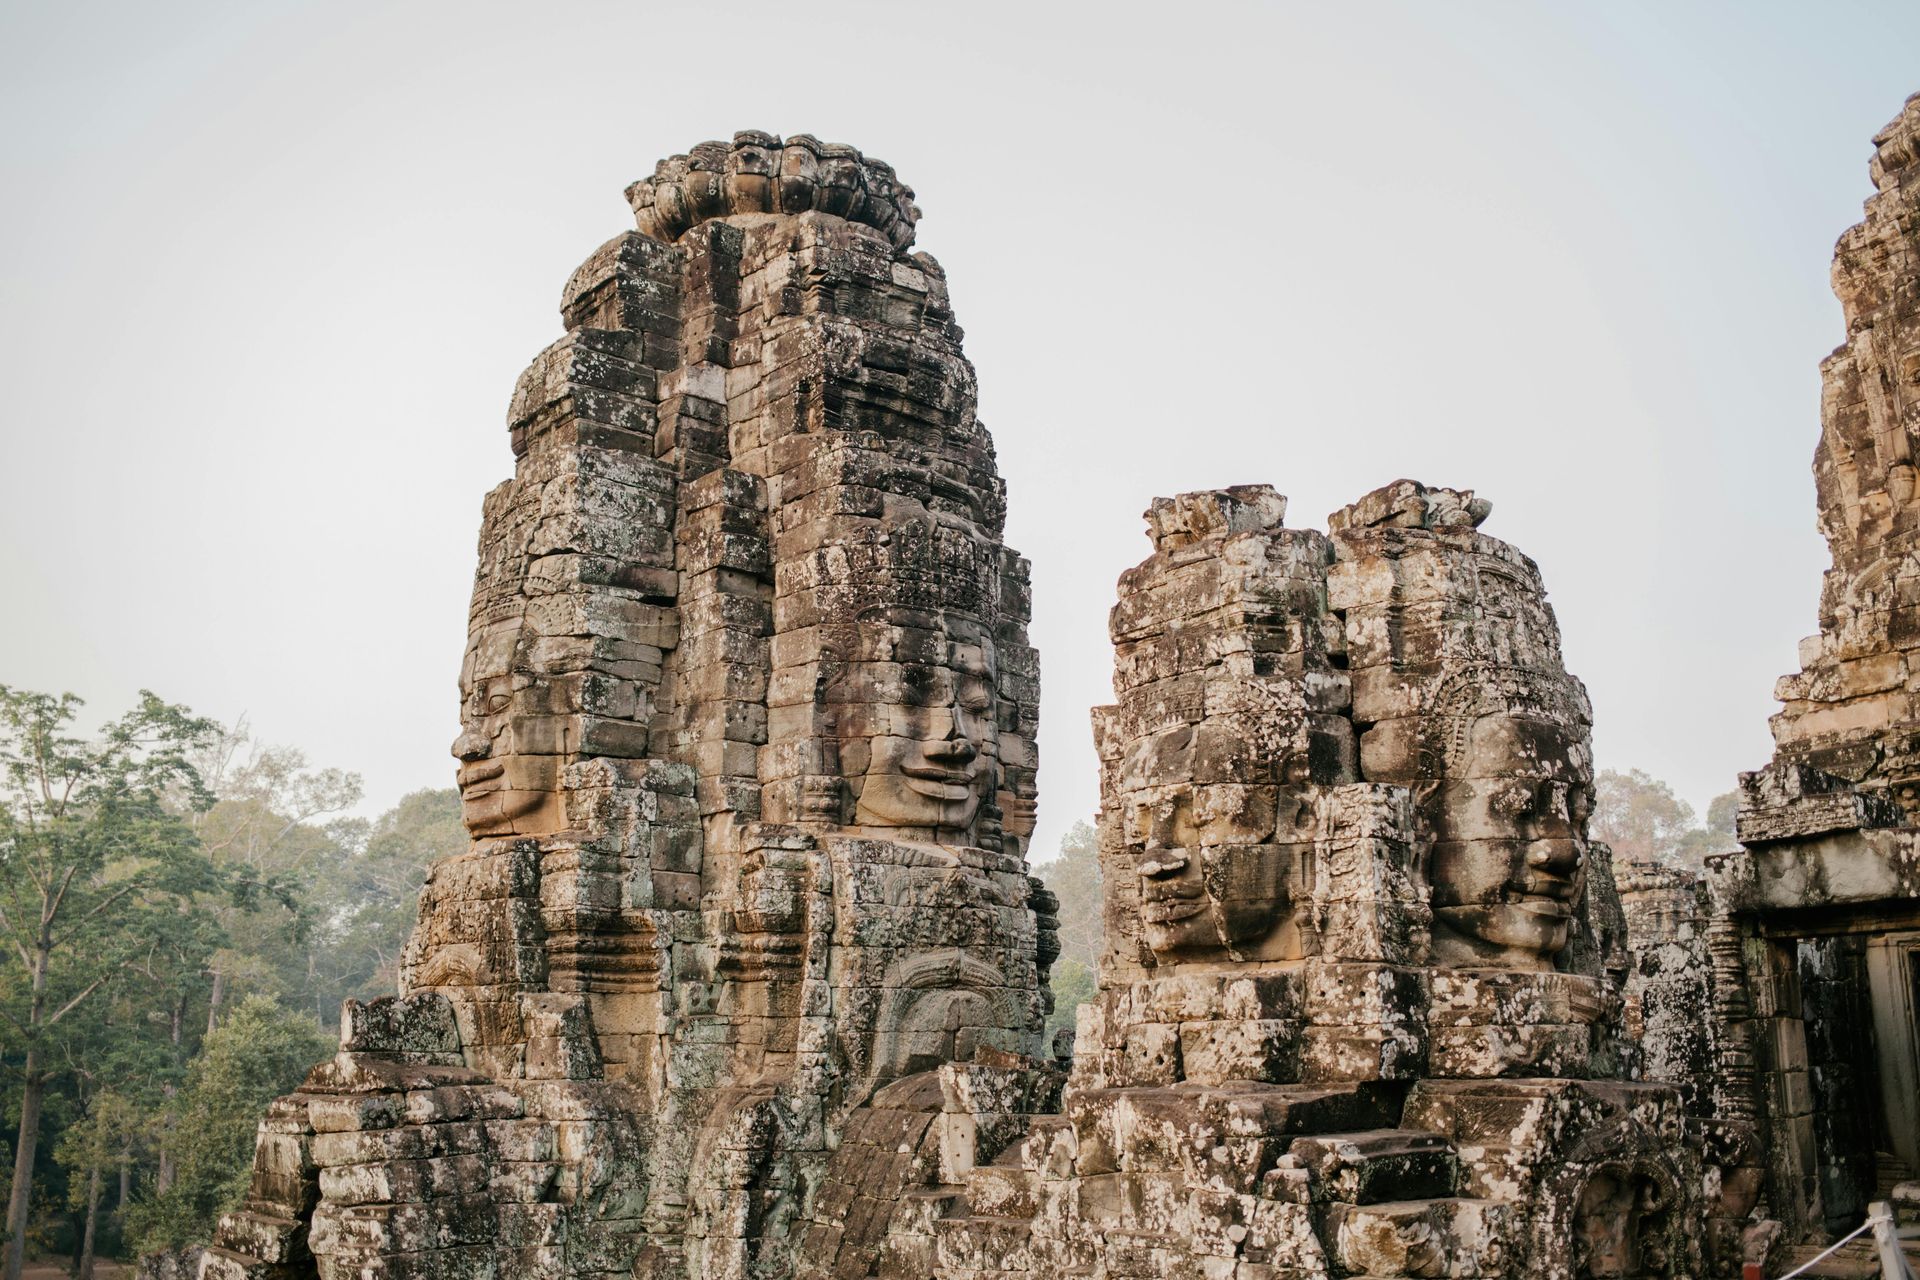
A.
pixel 1814 927
pixel 745 972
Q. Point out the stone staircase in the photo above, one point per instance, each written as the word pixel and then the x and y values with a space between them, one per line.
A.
pixel 1389 1200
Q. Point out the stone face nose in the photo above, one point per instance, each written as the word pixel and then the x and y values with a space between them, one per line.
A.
pixel 1160 835
pixel 953 747
pixel 471 745
pixel 1554 857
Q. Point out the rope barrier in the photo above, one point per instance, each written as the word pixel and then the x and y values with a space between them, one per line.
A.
pixel 1831 1249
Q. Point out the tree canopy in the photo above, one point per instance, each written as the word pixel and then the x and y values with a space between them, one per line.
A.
pixel 1641 819
pixel 182 910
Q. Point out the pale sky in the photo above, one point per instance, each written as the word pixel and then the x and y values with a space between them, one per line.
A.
pixel 268 271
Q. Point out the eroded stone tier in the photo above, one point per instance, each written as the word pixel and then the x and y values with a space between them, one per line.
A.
pixel 1851 711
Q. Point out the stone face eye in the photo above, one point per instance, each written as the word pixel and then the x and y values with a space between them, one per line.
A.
pixel 974 696
pixel 1514 801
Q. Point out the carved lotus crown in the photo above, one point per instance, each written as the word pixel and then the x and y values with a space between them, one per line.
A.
pixel 759 173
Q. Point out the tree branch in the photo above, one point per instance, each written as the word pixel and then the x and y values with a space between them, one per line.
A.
pixel 53 908
pixel 68 1006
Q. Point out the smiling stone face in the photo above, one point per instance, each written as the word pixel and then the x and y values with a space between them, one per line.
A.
pixel 915 719
pixel 1508 855
pixel 564 650
pixel 512 744
pixel 1464 698
pixel 1213 884
pixel 932 768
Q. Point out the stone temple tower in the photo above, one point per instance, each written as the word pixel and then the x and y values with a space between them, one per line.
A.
pixel 747 755
pixel 1359 1013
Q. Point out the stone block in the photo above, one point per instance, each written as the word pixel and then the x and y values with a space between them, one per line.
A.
pixel 404 1142
pixel 355 1112
pixel 1502 1050
pixel 1438 1237
pixel 1254 1049
pixel 1378 1165
pixel 1149 1055
pixel 1489 997
pixel 1362 1053
pixel 268 1238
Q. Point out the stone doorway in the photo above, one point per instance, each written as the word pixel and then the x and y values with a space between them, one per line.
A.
pixel 1858 997
pixel 1893 979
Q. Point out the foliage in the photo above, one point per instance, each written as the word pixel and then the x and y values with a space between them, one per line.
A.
pixel 1074 877
pixel 97 858
pixel 366 910
pixel 112 1126
pixel 277 822
pixel 1073 986
pixel 1715 836
pixel 182 909
pixel 258 1053
pixel 1642 820
pixel 1639 816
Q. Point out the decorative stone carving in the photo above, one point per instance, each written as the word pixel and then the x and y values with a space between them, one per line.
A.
pixel 1456 670
pixel 743 974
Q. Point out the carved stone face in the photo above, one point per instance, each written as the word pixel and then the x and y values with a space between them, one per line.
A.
pixel 917 732
pixel 1213 885
pixel 1509 849
pixel 512 747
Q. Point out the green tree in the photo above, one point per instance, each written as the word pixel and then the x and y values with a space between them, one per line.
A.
pixel 366 911
pixel 1074 877
pixel 1073 985
pixel 89 847
pixel 276 823
pixel 1641 819
pixel 88 1151
pixel 258 1052
pixel 1715 836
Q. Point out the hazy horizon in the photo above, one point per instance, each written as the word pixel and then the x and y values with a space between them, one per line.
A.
pixel 272 268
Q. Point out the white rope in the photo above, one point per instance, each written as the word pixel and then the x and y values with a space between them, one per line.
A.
pixel 1831 1249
